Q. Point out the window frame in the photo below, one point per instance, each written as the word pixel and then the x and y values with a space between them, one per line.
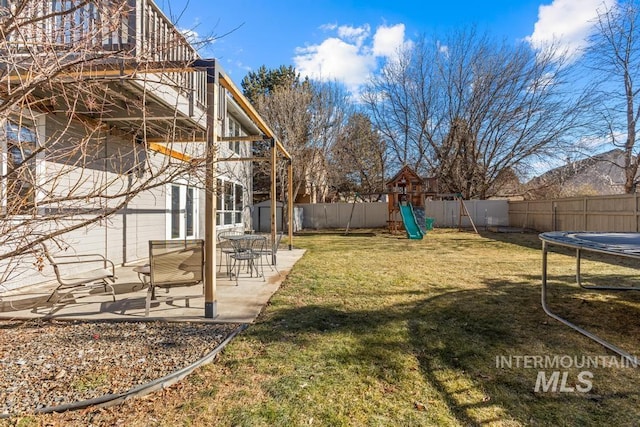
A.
pixel 234 128
pixel 179 220
pixel 228 209
pixel 35 125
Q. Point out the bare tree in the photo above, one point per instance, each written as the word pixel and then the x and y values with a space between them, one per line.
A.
pixel 465 108
pixel 614 55
pixel 271 90
pixel 286 110
pixel 329 111
pixel 306 116
pixel 65 82
pixel 358 158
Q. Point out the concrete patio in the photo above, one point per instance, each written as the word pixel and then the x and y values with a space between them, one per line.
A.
pixel 237 304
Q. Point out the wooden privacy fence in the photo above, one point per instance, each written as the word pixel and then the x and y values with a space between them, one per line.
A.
pixel 485 213
pixel 594 213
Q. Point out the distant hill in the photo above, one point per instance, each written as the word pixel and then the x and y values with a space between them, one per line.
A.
pixel 598 175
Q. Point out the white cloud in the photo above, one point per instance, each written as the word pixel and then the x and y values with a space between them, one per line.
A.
pixel 356 35
pixel 328 27
pixel 443 48
pixel 335 59
pixel 387 40
pixel 351 55
pixel 568 22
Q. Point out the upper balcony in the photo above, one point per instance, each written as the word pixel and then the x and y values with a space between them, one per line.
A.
pixel 81 36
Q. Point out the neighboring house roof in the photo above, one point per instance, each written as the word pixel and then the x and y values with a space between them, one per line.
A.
pixel 601 174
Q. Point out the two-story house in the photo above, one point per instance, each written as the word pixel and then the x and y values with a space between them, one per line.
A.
pixel 115 132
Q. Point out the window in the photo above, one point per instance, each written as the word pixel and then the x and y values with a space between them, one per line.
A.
pixel 183 208
pixel 238 203
pixel 219 204
pixel 21 144
pixel 236 144
pixel 175 211
pixel 234 130
pixel 189 214
pixel 231 131
pixel 230 203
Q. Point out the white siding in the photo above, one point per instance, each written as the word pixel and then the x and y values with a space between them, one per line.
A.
pixel 124 236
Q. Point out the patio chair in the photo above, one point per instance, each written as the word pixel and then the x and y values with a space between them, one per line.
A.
pixel 270 252
pixel 247 249
pixel 172 264
pixel 80 273
pixel 226 248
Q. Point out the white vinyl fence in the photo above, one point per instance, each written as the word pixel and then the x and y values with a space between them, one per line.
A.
pixel 445 213
pixel 337 215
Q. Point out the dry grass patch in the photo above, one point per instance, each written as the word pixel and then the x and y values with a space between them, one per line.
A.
pixel 382 330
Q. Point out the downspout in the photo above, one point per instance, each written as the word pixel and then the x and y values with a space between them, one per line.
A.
pixel 102 203
pixel 125 214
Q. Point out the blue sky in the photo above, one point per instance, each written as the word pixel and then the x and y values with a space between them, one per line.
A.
pixel 347 40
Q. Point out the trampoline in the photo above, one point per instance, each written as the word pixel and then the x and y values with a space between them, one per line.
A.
pixel 625 245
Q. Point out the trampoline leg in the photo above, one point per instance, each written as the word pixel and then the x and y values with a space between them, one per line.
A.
pixel 632 359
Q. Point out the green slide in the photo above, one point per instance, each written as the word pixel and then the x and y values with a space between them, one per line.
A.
pixel 410 223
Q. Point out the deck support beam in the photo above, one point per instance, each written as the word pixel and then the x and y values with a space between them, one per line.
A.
pixel 210 285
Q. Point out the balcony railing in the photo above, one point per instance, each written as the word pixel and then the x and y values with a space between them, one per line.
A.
pixel 132 29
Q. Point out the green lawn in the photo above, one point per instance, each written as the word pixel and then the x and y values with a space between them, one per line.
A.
pixel 375 329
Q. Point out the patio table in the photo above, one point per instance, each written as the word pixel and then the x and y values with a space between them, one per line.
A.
pixel 625 245
pixel 247 248
pixel 144 274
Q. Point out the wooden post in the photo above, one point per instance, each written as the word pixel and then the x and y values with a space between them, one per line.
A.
pixel 290 198
pixel 463 211
pixel 635 211
pixel 210 301
pixel 274 204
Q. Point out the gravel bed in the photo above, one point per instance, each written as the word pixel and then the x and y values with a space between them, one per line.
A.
pixel 49 363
